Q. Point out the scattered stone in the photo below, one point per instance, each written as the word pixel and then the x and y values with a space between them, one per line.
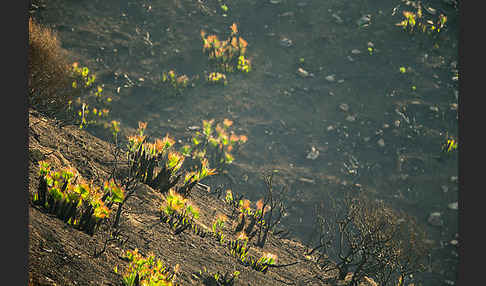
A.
pixel 351 118
pixel 287 14
pixel 366 139
pixel 431 10
pixel 285 42
pixel 454 242
pixel 434 108
pixel 435 219
pixel 450 2
pixel 429 242
pixel 386 125
pixel 306 180
pixel 275 2
pixel 344 107
pixel 454 179
pixel 364 21
pixel 355 52
pixel 340 81
pixel 350 58
pixel 444 188
pixel 453 206
pixel 331 93
pixel 193 128
pixel 449 282
pixel 396 123
pixel 381 142
pixel 403 177
pixel 313 154
pixel 331 78
pixel 303 73
pixel 302 4
pixel 338 19
pixel 454 64
pixel 330 128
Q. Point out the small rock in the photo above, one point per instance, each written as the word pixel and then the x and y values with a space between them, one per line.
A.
pixel 340 81
pixel 302 4
pixel 453 206
pixel 381 142
pixel 449 282
pixel 386 125
pixel 444 188
pixel 275 2
pixel 450 2
pixel 364 21
pixel 303 73
pixel 344 107
pixel 355 52
pixel 313 154
pixel 306 180
pixel 331 78
pixel 435 219
pixel 331 93
pixel 330 128
pixel 454 64
pixel 287 14
pixel 338 19
pixel 366 139
pixel 429 242
pixel 403 177
pixel 396 123
pixel 454 179
pixel 351 118
pixel 434 108
pixel 285 42
pixel 193 128
pixel 431 10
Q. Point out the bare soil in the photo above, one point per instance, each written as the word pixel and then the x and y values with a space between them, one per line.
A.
pixel 62 255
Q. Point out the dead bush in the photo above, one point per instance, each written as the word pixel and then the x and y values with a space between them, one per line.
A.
pixel 49 76
pixel 369 239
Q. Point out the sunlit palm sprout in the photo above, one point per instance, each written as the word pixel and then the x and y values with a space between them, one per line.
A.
pixel 216 143
pixel 79 204
pixel 227 54
pixel 217 78
pixel 146 270
pixel 83 82
pixel 177 82
pixel 418 20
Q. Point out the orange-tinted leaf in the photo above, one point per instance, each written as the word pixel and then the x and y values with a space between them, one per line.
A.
pixel 142 125
pixel 259 204
pixel 227 122
pixel 234 42
pixel 242 236
pixel 234 29
pixel 242 42
pixel 243 138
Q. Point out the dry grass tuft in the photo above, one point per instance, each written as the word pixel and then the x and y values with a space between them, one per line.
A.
pixel 49 76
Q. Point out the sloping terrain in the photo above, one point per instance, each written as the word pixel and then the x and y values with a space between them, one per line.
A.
pixel 62 255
